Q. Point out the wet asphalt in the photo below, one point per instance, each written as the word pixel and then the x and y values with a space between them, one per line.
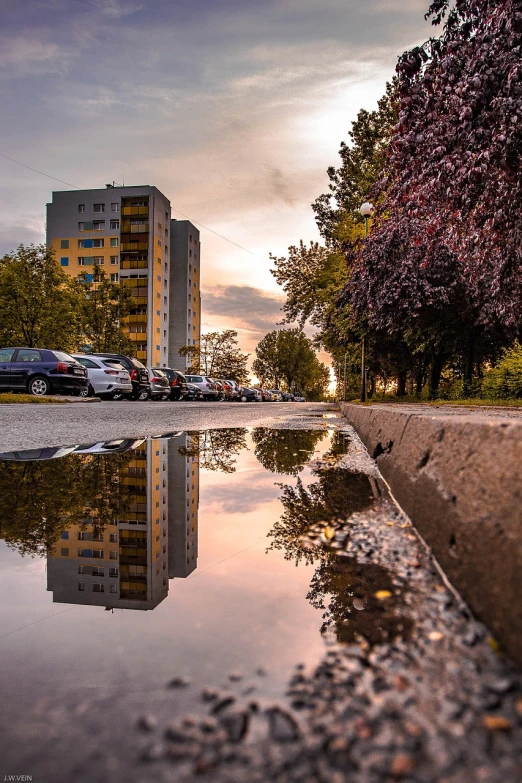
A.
pixel 28 426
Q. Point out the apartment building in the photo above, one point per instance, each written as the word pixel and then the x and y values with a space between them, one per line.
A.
pixel 127 232
pixel 185 259
pixel 183 471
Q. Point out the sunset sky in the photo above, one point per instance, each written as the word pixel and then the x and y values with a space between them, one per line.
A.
pixel 234 109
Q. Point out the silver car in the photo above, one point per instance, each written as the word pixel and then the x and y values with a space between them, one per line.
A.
pixel 107 379
pixel 205 385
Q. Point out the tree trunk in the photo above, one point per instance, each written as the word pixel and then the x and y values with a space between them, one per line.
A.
pixel 437 366
pixel 470 361
pixel 401 383
pixel 419 381
pixel 372 386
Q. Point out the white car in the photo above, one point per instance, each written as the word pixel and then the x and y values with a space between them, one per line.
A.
pixel 205 385
pixel 106 378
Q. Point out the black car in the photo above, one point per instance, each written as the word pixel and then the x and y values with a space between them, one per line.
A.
pixel 40 371
pixel 250 395
pixel 194 393
pixel 139 374
pixel 178 383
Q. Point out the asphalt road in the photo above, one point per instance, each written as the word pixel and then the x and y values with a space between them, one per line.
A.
pixel 29 426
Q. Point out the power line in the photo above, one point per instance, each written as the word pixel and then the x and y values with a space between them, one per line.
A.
pixel 196 222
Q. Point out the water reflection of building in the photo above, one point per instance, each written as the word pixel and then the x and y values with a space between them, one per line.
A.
pixel 126 562
pixel 183 507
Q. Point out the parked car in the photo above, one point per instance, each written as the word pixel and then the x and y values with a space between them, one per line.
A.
pixel 205 385
pixel 278 394
pixel 229 391
pixel 193 392
pixel 300 399
pixel 250 395
pixel 159 384
pixel 40 371
pixel 287 397
pixel 109 446
pixel 139 374
pixel 178 383
pixel 106 378
pixel 236 388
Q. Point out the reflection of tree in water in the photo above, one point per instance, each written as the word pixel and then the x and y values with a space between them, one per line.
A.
pixel 41 499
pixel 285 451
pixel 336 496
pixel 216 449
pixel 346 591
pixel 341 586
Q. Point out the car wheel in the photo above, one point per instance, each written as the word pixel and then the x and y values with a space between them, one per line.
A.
pixel 144 395
pixel 244 399
pixel 116 396
pixel 88 392
pixel 164 397
pixel 39 386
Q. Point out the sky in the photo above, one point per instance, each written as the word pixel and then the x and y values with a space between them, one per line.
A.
pixel 232 108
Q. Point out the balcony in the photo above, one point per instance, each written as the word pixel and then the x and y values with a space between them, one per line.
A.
pixel 128 247
pixel 135 319
pixel 137 337
pixel 128 211
pixel 134 264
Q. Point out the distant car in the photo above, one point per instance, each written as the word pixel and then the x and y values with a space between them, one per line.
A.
pixel 37 455
pixel 41 371
pixel 250 395
pixel 205 385
pixel 236 388
pixel 106 378
pixel 193 392
pixel 278 394
pixel 139 374
pixel 159 384
pixel 300 399
pixel 178 383
pixel 109 446
pixel 229 391
pixel 287 397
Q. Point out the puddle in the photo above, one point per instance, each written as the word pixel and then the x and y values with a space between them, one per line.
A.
pixel 127 563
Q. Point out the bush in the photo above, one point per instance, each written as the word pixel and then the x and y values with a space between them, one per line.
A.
pixel 505 380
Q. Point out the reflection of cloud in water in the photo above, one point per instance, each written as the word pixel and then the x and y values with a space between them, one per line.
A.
pixel 241 497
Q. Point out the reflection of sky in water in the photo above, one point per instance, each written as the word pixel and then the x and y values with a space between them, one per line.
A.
pixel 242 608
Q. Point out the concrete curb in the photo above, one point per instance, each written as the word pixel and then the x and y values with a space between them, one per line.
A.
pixel 459 478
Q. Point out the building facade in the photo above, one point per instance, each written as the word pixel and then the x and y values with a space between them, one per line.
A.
pixel 185 260
pixel 127 232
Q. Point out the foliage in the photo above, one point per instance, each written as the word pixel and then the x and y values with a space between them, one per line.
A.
pixel 505 380
pixel 218 356
pixel 285 451
pixel 40 304
pixel 105 306
pixel 216 449
pixel 34 513
pixel 286 357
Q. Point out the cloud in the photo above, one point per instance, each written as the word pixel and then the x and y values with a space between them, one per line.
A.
pixel 252 309
pixel 23 56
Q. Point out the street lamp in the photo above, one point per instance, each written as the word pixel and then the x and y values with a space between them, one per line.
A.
pixel 366 211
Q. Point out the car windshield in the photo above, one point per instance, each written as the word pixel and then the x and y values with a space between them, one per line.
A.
pixel 138 364
pixel 64 357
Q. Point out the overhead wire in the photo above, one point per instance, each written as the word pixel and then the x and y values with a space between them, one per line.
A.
pixel 174 209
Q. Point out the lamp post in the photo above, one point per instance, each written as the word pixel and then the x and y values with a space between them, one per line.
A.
pixel 366 210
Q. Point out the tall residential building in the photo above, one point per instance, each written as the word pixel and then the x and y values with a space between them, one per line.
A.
pixel 126 231
pixel 185 296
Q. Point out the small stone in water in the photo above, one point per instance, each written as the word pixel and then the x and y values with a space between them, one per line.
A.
pixel 402 764
pixel 283 727
pixel 496 723
pixel 147 723
pixel 180 682
pixel 235 676
pixel 359 604
pixel 153 752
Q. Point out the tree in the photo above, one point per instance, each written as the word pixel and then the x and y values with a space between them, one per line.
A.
pixel 218 356
pixel 216 449
pixel 285 451
pixel 105 306
pixel 286 357
pixel 40 304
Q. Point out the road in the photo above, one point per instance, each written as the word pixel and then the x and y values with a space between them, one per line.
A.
pixel 36 426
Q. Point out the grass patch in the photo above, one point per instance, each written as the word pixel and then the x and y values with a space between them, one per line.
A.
pixel 471 403
pixel 11 397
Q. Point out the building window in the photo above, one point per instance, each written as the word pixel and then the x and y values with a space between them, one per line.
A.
pixel 115 225
pixel 65 535
pixel 190 235
pixel 164 300
pixel 164 316
pixel 159 260
pixel 85 260
pixel 85 226
pixel 114 588
pixel 64 244
pixel 114 260
pixel 114 277
pixel 113 571
pixel 115 207
pixel 64 261
pixel 114 242
pixel 98 260
pixel 158 347
pixel 81 586
pixel 98 242
pixel 98 225
pixel 98 208
pixel 113 537
pixel 113 555
pixel 65 552
pixel 159 242
pixel 159 278
pixel 98 587
pixel 190 253
pixel 81 208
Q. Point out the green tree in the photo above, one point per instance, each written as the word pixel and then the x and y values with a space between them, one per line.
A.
pixel 286 357
pixel 285 451
pixel 105 305
pixel 216 450
pixel 218 356
pixel 41 306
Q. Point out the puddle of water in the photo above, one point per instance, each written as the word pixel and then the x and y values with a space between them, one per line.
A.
pixel 96 535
